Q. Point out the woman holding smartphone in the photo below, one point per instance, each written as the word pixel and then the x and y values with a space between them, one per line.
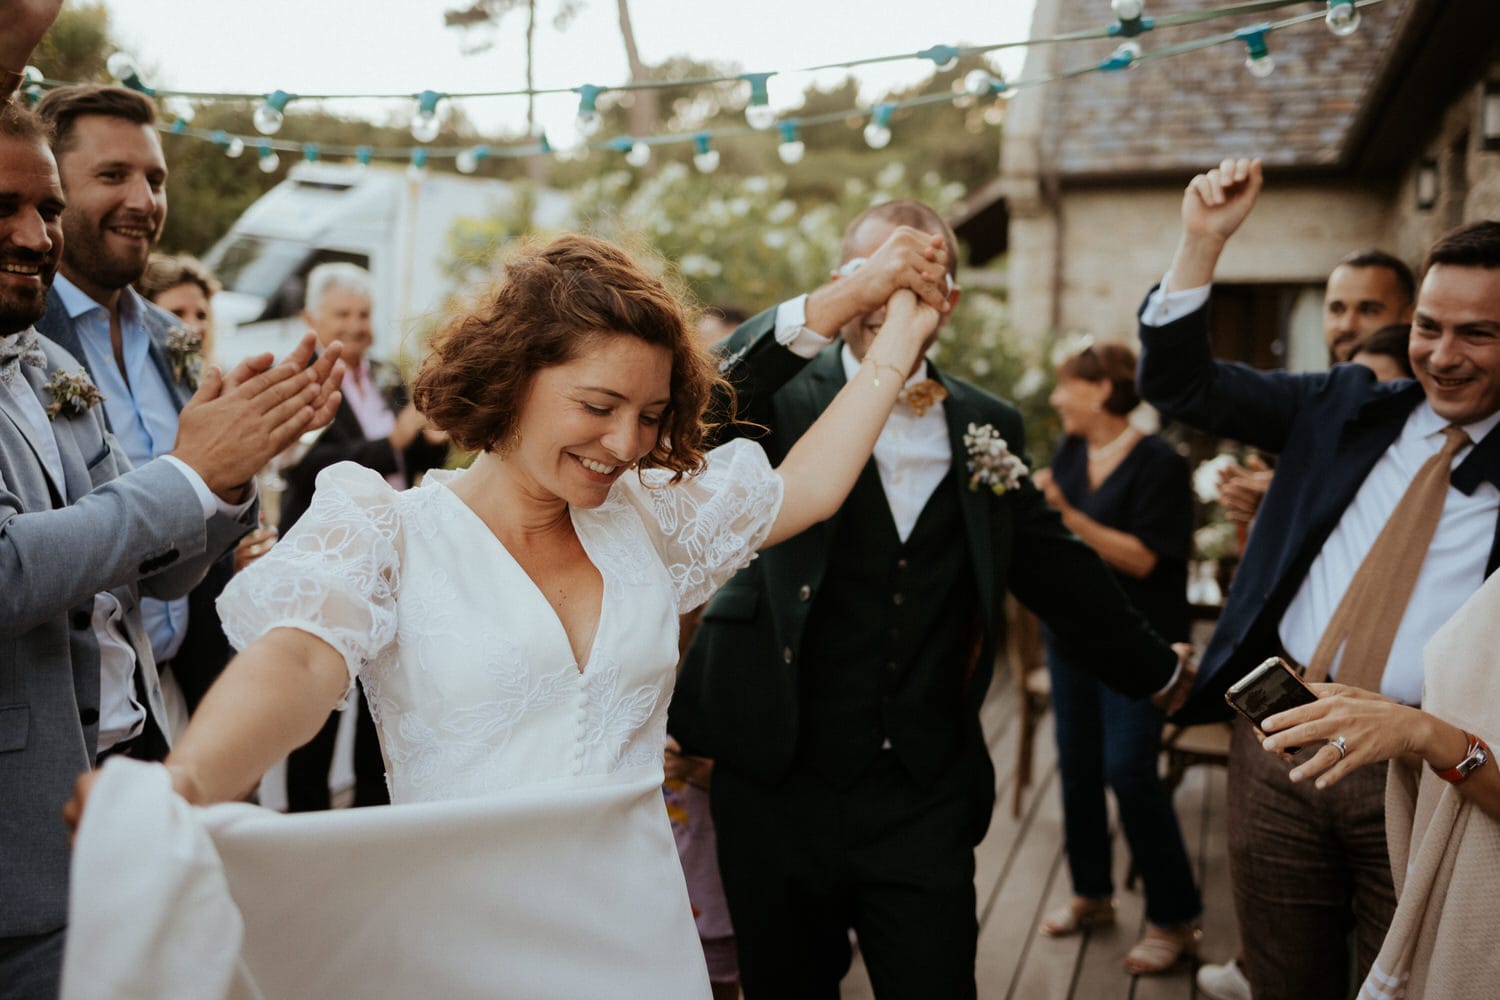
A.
pixel 1127 495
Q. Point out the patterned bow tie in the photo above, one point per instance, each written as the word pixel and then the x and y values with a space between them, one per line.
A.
pixel 924 395
pixel 20 347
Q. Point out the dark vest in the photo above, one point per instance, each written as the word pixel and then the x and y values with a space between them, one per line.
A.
pixel 888 638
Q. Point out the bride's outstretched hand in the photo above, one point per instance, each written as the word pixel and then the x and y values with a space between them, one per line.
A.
pixel 912 317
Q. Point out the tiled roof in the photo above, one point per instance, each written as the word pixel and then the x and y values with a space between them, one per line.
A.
pixel 1187 111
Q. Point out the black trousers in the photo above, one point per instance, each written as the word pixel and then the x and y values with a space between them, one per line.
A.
pixel 31 967
pixel 805 861
pixel 307 767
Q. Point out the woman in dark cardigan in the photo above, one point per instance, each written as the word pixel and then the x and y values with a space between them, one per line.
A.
pixel 376 426
pixel 1128 495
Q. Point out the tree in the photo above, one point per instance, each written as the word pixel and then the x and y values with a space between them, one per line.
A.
pixel 76 47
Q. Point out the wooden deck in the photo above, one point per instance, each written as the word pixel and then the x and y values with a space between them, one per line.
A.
pixel 1020 874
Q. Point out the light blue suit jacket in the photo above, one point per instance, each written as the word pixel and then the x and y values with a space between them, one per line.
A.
pixel 104 527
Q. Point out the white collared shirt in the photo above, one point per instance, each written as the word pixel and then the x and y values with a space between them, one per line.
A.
pixel 913 454
pixel 1451 573
pixel 1456 559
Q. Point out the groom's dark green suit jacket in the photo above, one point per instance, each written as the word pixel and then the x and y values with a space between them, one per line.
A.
pixel 739 695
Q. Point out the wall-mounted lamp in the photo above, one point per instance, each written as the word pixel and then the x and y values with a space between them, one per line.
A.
pixel 1427 185
pixel 1489 116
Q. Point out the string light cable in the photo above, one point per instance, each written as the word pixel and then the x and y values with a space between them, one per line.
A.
pixel 1339 15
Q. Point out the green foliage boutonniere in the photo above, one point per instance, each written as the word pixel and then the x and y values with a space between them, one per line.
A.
pixel 185 353
pixel 73 393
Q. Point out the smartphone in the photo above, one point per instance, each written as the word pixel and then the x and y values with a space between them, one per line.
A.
pixel 1270 688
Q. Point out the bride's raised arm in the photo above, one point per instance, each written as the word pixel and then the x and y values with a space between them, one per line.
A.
pixel 820 470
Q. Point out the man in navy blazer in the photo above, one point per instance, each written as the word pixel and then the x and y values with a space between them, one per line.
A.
pixel 82 536
pixel 1308 864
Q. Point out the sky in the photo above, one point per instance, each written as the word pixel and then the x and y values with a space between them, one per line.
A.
pixel 401 46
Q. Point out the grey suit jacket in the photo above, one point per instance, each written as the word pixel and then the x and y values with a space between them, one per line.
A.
pixel 104 527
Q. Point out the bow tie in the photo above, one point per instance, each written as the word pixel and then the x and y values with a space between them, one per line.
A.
pixel 20 347
pixel 923 396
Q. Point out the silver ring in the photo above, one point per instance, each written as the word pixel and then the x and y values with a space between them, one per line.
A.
pixel 1338 744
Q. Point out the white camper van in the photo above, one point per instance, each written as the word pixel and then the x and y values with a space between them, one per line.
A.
pixel 381 218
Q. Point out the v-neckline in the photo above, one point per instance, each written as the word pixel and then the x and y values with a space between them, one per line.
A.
pixel 555 618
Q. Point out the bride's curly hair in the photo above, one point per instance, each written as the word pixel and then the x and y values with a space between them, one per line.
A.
pixel 545 309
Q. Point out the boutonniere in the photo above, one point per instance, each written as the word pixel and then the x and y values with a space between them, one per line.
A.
pixel 990 460
pixel 185 354
pixel 73 393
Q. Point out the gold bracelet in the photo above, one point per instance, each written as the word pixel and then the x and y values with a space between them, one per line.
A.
pixel 875 379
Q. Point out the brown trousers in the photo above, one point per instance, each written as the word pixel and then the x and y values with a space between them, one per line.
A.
pixel 1308 866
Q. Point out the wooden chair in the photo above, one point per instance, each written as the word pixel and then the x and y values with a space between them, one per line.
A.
pixel 1028 670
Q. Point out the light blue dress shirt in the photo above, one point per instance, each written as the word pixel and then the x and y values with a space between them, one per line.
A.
pixel 142 414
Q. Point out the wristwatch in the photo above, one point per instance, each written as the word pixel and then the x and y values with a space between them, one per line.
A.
pixel 1477 756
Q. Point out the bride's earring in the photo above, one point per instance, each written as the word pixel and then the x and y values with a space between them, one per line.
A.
pixel 511 444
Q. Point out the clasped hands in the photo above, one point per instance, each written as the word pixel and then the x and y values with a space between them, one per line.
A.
pixel 236 423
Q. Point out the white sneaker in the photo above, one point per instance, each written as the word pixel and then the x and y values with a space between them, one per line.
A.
pixel 1223 982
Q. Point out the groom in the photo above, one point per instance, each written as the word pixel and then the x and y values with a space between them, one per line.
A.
pixel 837 680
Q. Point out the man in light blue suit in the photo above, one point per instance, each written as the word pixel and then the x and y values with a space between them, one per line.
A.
pixel 82 536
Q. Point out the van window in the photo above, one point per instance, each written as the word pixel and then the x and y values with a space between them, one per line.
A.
pixel 274 270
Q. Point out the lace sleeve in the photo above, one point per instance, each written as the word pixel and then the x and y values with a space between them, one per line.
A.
pixel 334 575
pixel 711 525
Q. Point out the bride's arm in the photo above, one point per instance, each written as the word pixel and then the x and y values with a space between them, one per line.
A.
pixel 270 700
pixel 820 470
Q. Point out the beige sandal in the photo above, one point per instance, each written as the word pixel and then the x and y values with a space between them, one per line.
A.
pixel 1161 949
pixel 1080 914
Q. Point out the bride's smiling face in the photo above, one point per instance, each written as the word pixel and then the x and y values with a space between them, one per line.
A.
pixel 586 421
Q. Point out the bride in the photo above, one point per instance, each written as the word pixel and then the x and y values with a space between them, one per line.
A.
pixel 514 624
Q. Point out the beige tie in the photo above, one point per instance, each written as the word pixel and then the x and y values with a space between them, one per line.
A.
pixel 1366 620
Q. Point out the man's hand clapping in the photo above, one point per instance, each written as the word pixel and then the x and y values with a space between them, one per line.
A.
pixel 236 423
pixel 909 258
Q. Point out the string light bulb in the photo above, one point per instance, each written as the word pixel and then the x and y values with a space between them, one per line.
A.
pixel 759 114
pixel 270 115
pixel 705 157
pixel 638 155
pixel 1342 17
pixel 792 149
pixel 943 57
pixel 416 169
pixel 979 83
pixel 467 161
pixel 234 148
pixel 268 161
pixel 425 124
pixel 878 132
pixel 121 66
pixel 1127 10
pixel 31 84
pixel 1258 58
pixel 1123 57
pixel 589 119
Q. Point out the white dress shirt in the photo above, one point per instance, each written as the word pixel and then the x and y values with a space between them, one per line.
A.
pixel 1455 564
pixel 913 453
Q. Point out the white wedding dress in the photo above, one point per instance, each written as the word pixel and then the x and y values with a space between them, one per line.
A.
pixel 488 724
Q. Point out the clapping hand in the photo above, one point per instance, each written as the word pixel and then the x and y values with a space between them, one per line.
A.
pixel 26 22
pixel 1174 697
pixel 236 423
pixel 1217 202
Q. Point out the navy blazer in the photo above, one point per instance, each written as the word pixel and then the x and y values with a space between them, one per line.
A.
pixel 1328 430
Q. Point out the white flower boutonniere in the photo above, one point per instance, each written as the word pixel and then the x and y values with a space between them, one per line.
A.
pixel 990 460
pixel 72 393
pixel 185 354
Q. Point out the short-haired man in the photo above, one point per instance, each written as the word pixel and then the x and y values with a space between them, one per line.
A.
pixel 1366 290
pixel 837 681
pixel 1309 864
pixel 82 536
pixel 115 177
